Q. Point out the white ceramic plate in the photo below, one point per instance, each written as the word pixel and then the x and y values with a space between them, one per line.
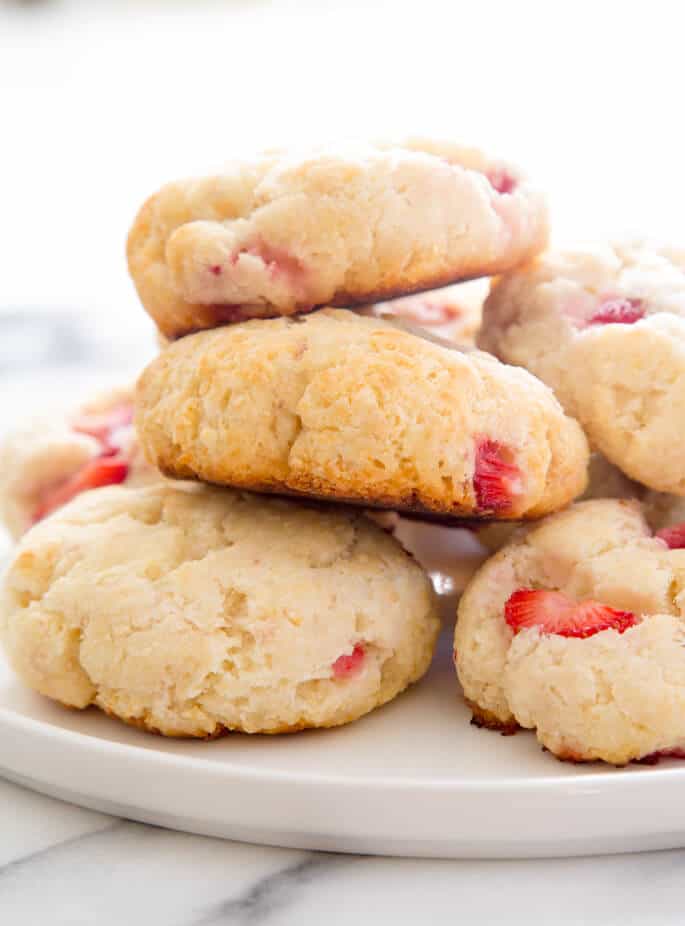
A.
pixel 413 778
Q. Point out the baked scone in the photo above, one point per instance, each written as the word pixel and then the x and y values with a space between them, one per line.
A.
pixel 336 406
pixel 452 313
pixel 606 330
pixel 54 456
pixel 192 611
pixel 289 231
pixel 577 630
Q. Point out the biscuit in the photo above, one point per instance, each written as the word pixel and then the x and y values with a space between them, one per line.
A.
pixel 290 231
pixel 192 611
pixel 577 629
pixel 54 456
pixel 336 406
pixel 606 330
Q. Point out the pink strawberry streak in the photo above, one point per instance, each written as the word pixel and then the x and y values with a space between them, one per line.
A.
pixel 617 311
pixel 496 480
pixel 278 261
pixel 673 537
pixel 501 180
pixel 426 312
pixel 102 471
pixel 109 467
pixel 347 666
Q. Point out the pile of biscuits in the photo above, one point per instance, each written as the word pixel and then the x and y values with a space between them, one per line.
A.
pixel 229 572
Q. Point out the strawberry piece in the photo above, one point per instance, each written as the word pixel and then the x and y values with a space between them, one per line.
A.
pixel 673 537
pixel 101 425
pixel 618 312
pixel 495 480
pixel 102 471
pixel 348 665
pixel 501 180
pixel 553 612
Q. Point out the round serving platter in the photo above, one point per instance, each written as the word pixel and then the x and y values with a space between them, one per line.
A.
pixel 413 778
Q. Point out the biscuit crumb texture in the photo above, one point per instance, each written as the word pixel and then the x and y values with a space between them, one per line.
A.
pixel 350 408
pixel 290 231
pixel 613 696
pixel 192 611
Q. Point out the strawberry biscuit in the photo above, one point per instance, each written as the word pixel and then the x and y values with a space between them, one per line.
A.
pixel 54 457
pixel 192 611
pixel 337 406
pixel 287 232
pixel 606 330
pixel 577 630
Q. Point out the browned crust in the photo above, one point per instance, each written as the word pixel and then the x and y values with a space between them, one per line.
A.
pixel 568 755
pixel 486 720
pixel 142 723
pixel 409 505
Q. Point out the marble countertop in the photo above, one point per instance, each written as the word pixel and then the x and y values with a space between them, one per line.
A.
pixel 67 867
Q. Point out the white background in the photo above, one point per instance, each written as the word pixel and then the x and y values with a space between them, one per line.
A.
pixel 103 101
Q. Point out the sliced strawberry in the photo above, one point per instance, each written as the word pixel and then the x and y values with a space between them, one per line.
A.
pixel 553 612
pixel 501 180
pixel 101 425
pixel 496 480
pixel 102 471
pixel 673 537
pixel 618 312
pixel 348 665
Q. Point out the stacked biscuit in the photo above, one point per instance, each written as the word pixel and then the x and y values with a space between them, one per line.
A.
pixel 249 591
pixel 576 627
pixel 191 608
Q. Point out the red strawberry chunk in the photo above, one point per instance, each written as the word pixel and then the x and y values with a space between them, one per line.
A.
pixel 501 180
pixel 496 480
pixel 102 471
pixel 347 666
pixel 553 612
pixel 617 311
pixel 101 425
pixel 673 537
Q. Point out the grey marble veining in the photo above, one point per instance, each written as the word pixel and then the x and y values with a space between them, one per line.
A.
pixel 63 866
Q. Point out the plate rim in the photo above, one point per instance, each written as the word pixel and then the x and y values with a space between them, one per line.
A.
pixel 617 776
